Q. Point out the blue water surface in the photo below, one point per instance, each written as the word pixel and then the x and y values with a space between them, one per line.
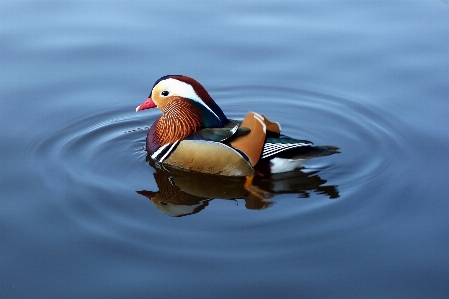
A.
pixel 371 77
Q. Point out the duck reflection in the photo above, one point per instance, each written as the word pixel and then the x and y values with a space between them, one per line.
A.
pixel 183 193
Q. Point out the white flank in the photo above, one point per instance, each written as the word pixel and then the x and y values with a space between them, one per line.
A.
pixel 279 165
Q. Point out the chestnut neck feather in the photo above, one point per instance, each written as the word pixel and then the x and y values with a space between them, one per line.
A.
pixel 179 119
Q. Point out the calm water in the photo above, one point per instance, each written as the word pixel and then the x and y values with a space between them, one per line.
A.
pixel 371 77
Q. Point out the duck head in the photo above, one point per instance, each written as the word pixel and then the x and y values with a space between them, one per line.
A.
pixel 180 96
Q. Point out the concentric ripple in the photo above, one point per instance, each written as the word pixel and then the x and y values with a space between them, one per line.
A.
pixel 95 150
pixel 101 155
pixel 106 149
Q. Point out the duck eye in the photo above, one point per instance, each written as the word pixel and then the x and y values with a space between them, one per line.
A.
pixel 164 93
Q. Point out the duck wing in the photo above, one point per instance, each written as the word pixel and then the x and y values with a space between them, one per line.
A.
pixel 231 131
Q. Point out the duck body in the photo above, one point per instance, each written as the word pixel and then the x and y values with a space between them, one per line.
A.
pixel 193 133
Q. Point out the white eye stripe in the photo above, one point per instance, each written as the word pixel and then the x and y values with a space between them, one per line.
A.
pixel 184 90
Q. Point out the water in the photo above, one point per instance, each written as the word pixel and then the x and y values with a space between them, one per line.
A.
pixel 369 77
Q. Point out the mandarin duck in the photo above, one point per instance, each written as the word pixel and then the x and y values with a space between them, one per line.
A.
pixel 194 134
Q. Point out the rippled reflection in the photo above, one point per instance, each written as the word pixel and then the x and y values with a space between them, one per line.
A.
pixel 183 193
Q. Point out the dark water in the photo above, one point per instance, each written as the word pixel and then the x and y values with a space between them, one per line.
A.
pixel 371 77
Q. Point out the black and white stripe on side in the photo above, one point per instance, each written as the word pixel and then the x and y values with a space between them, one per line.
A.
pixel 164 151
pixel 271 149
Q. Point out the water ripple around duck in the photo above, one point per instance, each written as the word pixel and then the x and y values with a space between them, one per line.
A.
pixel 105 150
